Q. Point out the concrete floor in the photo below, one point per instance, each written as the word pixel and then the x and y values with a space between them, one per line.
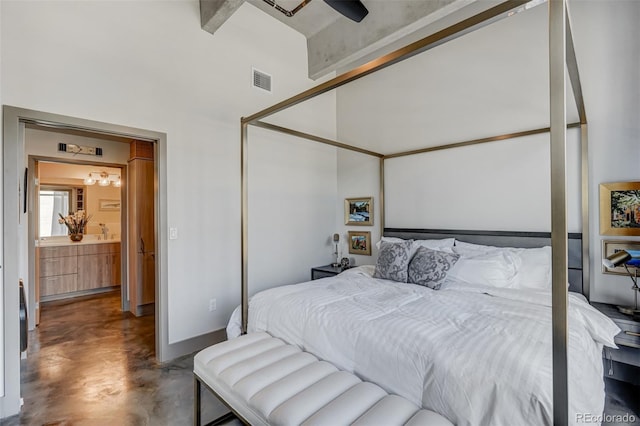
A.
pixel 89 363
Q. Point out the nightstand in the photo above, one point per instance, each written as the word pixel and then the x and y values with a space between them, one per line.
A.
pixel 325 271
pixel 622 363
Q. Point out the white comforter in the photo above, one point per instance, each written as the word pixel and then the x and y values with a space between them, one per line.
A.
pixel 477 355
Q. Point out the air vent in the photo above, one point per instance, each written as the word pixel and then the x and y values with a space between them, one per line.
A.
pixel 261 80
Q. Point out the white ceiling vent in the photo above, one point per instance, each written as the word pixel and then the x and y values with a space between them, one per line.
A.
pixel 261 80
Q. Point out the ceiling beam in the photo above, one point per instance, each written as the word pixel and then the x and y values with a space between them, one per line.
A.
pixel 214 13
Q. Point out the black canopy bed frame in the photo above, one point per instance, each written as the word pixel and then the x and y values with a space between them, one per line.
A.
pixel 561 53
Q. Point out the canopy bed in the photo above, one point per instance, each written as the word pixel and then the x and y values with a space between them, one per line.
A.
pixel 563 270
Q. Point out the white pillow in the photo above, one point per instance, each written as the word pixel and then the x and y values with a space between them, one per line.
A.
pixel 434 244
pixel 496 269
pixel 533 264
pixel 430 244
pixel 534 272
pixel 472 249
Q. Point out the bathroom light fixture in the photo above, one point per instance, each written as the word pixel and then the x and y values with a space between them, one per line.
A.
pixel 103 179
pixel 624 258
pixel 89 180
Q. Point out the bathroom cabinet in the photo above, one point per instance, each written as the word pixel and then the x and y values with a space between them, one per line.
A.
pixel 97 266
pixel 67 270
pixel 58 270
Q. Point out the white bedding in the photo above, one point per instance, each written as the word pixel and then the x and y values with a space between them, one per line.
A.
pixel 477 355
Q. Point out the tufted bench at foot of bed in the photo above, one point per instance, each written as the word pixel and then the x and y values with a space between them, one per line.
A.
pixel 265 381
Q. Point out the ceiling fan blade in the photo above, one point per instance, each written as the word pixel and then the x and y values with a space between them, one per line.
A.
pixel 352 9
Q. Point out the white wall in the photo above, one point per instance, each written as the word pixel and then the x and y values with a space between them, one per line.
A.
pixel 607 42
pixel 149 65
pixel 493 82
pixel 437 98
pixel 497 186
pixel 464 89
pixel 292 205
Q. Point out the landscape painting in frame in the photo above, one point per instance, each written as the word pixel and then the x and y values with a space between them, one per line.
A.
pixel 620 208
pixel 610 247
pixel 358 211
pixel 108 205
pixel 360 242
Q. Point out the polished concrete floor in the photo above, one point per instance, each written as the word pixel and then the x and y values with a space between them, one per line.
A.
pixel 89 363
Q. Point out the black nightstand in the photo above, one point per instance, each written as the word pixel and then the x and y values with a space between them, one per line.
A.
pixel 325 271
pixel 622 363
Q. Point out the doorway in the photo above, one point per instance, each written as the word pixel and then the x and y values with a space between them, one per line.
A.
pixel 113 200
pixel 16 240
pixel 67 199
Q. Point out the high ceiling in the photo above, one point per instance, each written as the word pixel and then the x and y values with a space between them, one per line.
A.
pixel 336 43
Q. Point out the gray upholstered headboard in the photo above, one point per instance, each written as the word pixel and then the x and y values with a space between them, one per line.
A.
pixel 503 239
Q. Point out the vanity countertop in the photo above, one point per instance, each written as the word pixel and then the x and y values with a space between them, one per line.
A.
pixel 65 241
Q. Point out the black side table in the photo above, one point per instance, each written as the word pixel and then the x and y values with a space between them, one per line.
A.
pixel 325 271
pixel 622 363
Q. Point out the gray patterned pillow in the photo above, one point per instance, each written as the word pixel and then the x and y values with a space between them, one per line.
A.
pixel 429 267
pixel 393 259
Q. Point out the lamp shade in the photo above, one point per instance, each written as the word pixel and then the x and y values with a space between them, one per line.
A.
pixel 352 9
pixel 616 259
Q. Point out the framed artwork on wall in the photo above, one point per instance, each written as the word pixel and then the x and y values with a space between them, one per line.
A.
pixel 358 211
pixel 620 208
pixel 360 242
pixel 610 247
pixel 108 205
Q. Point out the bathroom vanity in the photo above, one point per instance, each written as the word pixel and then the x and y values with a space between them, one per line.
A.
pixel 67 269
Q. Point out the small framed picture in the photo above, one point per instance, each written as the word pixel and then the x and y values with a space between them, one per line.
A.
pixel 360 242
pixel 620 208
pixel 610 247
pixel 108 205
pixel 358 211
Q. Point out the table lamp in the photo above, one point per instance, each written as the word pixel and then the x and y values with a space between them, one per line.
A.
pixel 626 258
pixel 336 239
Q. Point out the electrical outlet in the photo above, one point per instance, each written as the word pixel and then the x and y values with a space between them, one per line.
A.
pixel 173 233
pixel 212 305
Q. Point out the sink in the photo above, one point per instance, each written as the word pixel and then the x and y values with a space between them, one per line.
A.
pixel 86 239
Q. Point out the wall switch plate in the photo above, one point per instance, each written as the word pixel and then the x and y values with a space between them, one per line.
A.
pixel 173 233
pixel 212 305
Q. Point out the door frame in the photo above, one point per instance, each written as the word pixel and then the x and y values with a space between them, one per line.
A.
pixel 13 175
